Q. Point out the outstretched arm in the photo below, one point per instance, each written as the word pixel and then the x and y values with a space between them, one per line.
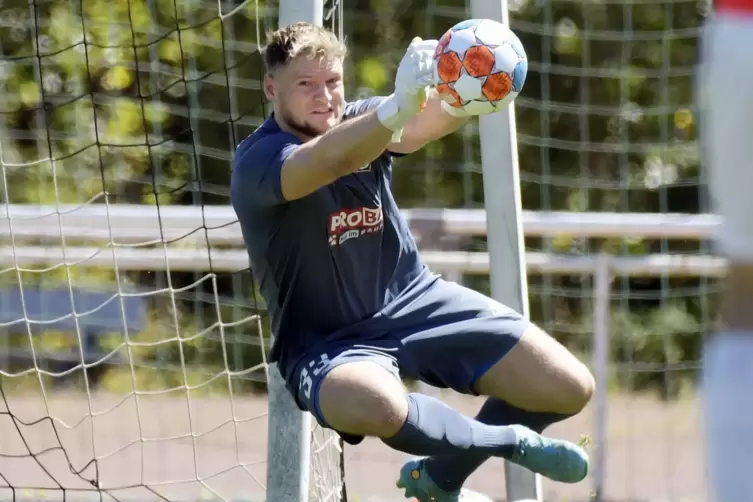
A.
pixel 336 153
pixel 354 143
pixel 427 126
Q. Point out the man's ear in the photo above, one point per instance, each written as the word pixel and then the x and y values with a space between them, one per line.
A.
pixel 269 86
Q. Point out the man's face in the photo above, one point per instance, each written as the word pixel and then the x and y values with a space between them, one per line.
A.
pixel 308 95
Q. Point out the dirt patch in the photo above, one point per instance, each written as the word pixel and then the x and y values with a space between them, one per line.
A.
pixel 216 448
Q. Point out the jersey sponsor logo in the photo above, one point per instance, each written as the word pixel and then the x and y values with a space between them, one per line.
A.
pixel 348 224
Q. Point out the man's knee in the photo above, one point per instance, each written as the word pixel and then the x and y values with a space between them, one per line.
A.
pixel 539 375
pixel 568 383
pixel 569 391
pixel 577 388
pixel 363 398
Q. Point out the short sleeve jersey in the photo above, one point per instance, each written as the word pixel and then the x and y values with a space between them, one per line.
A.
pixel 325 261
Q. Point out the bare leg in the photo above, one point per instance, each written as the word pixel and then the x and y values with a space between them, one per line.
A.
pixel 362 398
pixel 537 383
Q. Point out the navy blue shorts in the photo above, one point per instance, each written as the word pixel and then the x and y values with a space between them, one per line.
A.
pixel 446 335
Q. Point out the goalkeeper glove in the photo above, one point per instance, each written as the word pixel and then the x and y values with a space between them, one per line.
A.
pixel 414 75
pixel 454 112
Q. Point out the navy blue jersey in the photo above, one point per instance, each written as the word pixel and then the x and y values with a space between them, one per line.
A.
pixel 326 261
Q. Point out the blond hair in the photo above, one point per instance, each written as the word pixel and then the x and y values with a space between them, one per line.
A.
pixel 301 39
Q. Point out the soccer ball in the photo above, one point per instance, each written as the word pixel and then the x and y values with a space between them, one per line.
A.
pixel 481 66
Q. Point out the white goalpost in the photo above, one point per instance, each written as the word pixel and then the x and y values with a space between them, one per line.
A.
pixel 292 433
pixel 508 279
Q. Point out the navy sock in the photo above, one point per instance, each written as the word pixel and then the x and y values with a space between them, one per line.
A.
pixel 433 428
pixel 449 472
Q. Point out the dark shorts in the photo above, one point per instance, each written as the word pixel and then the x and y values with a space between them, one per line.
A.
pixel 447 336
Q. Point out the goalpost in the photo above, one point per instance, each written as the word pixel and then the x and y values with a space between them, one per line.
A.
pixel 508 278
pixel 303 458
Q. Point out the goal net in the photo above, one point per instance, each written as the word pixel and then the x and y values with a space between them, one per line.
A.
pixel 133 366
pixel 606 132
pixel 133 338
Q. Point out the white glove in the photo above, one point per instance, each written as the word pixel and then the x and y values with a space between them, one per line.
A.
pixel 455 112
pixel 415 74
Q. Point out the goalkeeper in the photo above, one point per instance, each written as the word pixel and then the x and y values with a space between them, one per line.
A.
pixel 353 308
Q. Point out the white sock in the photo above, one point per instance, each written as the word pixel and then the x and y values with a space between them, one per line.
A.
pixel 728 394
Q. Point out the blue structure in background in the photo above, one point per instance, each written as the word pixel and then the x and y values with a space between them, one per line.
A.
pixel 99 312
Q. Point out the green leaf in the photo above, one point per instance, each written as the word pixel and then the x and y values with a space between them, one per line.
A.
pixel 30 94
pixel 117 78
pixel 372 73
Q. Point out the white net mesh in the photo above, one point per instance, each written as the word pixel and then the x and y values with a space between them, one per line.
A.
pixel 134 339
pixel 141 103
pixel 327 456
pixel 605 123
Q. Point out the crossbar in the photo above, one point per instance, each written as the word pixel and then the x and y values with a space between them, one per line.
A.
pixel 139 223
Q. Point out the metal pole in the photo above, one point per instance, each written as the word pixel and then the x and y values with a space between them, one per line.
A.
pixel 509 284
pixel 288 444
pixel 289 437
pixel 602 290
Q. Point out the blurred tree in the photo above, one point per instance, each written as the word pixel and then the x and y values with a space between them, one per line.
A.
pixel 143 101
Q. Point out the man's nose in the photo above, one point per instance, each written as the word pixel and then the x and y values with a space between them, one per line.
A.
pixel 322 94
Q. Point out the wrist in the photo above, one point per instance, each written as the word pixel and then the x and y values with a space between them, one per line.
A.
pixel 393 116
pixel 392 113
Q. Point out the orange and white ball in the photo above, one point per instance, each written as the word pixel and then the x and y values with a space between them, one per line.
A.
pixel 481 66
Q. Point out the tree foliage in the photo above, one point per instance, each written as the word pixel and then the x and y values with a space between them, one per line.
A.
pixel 143 101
